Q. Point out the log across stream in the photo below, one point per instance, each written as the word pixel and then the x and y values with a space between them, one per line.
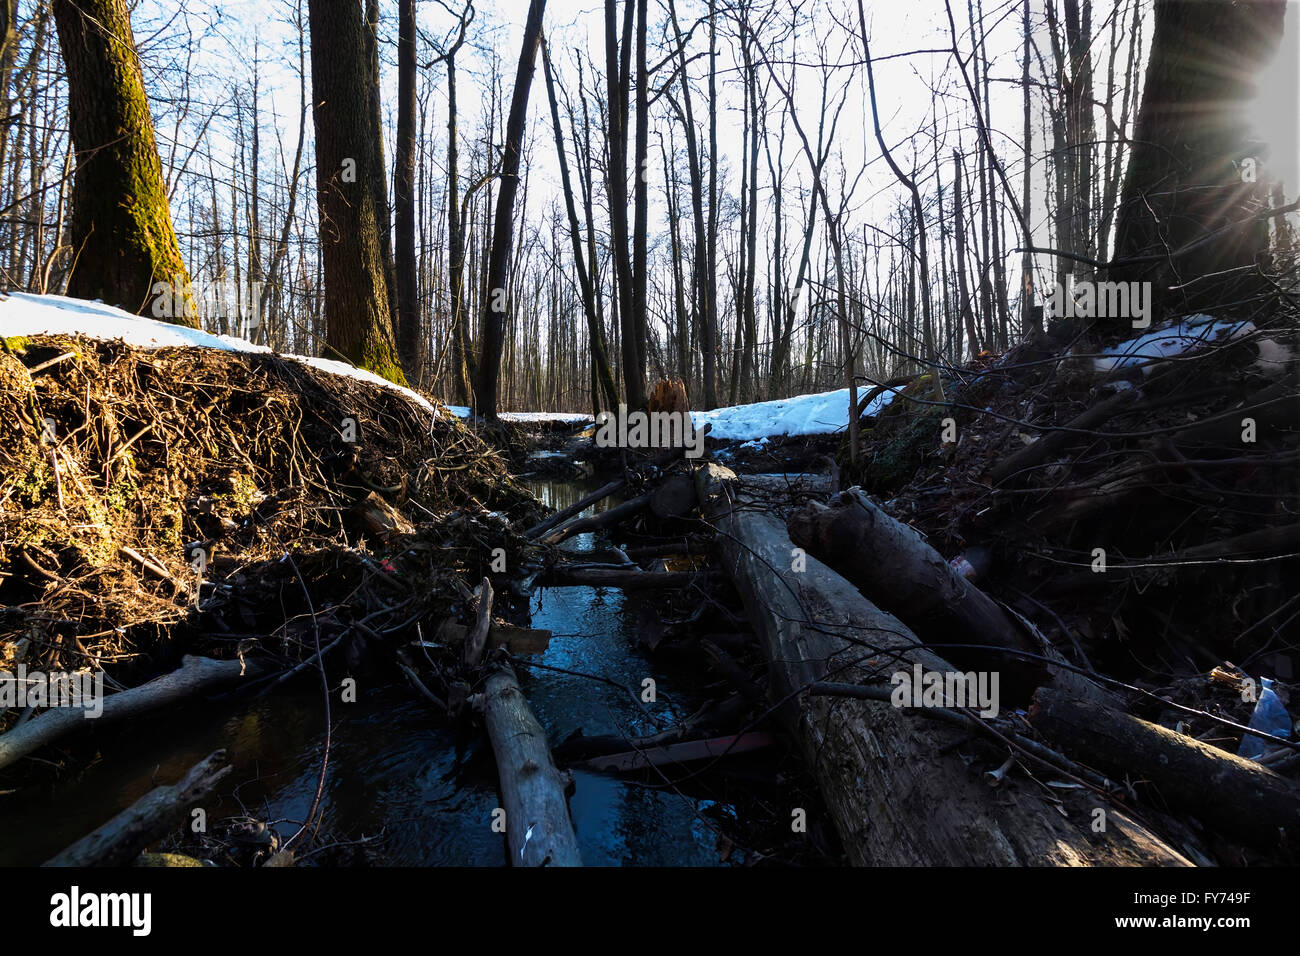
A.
pixel 395 767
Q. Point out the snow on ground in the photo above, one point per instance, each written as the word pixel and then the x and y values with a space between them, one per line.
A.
pixel 22 314
pixel 816 414
pixel 1188 335
pixel 570 418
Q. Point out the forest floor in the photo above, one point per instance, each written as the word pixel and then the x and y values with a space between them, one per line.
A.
pixel 173 501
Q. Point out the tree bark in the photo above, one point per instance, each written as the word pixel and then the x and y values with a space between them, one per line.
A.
pixel 123 242
pixel 497 303
pixel 893 566
pixel 1238 796
pixel 122 839
pixel 538 829
pixel 408 314
pixel 358 319
pixel 898 793
pixel 1191 132
pixel 195 674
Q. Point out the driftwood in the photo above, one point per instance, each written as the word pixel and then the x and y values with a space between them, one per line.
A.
pixel 710 719
pixel 600 494
pixel 195 674
pixel 685 545
pixel 895 788
pixel 795 483
pixel 120 841
pixel 477 638
pixel 538 829
pixel 632 579
pixel 605 519
pixel 516 640
pixel 1235 795
pixel 894 567
pixel 684 751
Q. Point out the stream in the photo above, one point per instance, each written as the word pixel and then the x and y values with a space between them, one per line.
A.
pixel 397 772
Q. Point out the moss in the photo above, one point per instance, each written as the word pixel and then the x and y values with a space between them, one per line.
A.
pixel 121 493
pixel 16 344
pixel 897 457
pixel 31 484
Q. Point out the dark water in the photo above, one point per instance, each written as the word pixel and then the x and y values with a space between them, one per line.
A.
pixel 396 771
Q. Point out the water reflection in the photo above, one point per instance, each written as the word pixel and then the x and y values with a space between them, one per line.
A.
pixel 394 768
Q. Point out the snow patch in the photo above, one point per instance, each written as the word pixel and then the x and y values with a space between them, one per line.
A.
pixel 1188 335
pixel 817 414
pixel 24 314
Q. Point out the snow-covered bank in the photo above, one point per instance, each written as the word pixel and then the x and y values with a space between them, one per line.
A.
pixel 1188 335
pixel 22 314
pixel 570 418
pixel 817 414
pixel 821 413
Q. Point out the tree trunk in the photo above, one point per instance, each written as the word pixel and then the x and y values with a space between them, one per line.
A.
pixel 497 303
pixel 358 320
pixel 122 839
pixel 408 309
pixel 123 242
pixel 894 567
pixel 538 828
pixel 896 789
pixel 1191 132
pixel 1231 793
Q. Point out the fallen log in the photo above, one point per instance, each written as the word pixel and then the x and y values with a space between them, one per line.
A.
pixel 600 494
pixel 1237 796
pixel 122 839
pixel 710 719
pixel 477 638
pixel 687 545
pixel 896 790
pixel 675 498
pixel 893 566
pixel 538 829
pixel 195 674
pixel 794 483
pixel 685 751
pixel 615 515
pixel 1049 444
pixel 516 640
pixel 632 579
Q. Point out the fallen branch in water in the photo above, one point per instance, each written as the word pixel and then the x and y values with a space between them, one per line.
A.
pixel 119 841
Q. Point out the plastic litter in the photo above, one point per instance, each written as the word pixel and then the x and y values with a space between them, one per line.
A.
pixel 1270 716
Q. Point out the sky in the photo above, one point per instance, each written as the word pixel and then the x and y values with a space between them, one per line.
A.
pixel 229 32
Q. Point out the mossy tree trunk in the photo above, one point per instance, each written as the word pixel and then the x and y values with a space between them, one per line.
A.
pixel 1185 174
pixel 122 237
pixel 358 321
